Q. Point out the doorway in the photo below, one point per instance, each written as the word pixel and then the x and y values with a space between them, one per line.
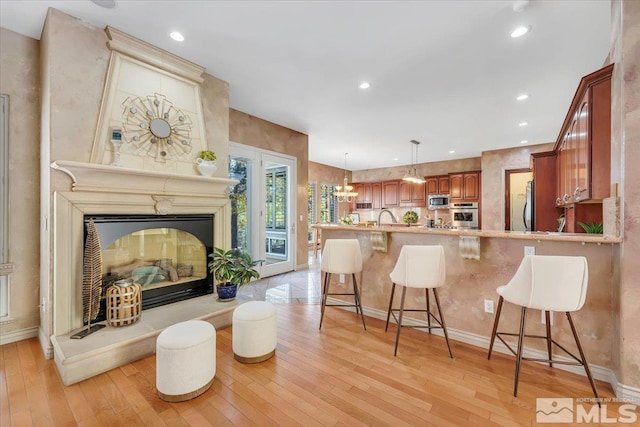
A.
pixel 515 190
pixel 263 207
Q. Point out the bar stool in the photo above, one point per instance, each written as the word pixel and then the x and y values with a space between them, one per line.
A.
pixel 341 256
pixel 420 267
pixel 546 283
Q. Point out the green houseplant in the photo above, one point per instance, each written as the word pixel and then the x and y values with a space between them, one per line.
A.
pixel 231 268
pixel 207 155
pixel 591 227
pixel 410 217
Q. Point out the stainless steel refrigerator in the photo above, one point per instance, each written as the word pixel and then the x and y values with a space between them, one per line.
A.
pixel 527 213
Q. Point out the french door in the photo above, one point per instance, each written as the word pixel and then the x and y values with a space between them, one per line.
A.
pixel 263 206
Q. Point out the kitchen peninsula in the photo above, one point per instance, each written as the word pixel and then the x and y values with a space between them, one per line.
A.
pixel 471 281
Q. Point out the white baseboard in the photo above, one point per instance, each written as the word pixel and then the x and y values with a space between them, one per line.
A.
pixel 19 335
pixel 622 391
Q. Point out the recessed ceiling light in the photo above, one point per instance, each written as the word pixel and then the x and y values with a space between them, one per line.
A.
pixel 520 31
pixel 524 141
pixel 452 151
pixel 365 85
pixel 396 159
pixel 522 97
pixel 177 36
pixel 522 124
pixel 107 4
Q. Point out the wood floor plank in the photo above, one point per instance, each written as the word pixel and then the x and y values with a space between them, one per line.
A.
pixel 340 375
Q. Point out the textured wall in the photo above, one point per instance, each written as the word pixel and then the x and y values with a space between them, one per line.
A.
pixel 422 169
pixel 19 78
pixel 249 130
pixel 625 53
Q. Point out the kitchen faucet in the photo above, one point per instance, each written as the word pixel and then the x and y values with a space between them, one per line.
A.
pixel 393 218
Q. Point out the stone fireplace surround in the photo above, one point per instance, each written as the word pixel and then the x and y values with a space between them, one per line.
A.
pixel 102 189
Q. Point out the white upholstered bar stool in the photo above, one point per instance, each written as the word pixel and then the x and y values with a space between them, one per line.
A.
pixel 546 283
pixel 341 256
pixel 420 267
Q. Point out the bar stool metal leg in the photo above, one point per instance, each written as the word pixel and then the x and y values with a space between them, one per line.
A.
pixel 523 317
pixel 495 326
pixel 356 296
pixel 547 318
pixel 399 326
pixel 393 290
pixel 426 291
pixel 325 290
pixel 583 357
pixel 444 327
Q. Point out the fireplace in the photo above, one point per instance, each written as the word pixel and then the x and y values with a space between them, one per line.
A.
pixel 165 254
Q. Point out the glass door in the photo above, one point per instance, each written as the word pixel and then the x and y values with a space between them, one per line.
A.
pixel 263 207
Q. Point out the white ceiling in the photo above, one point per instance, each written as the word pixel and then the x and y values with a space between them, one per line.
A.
pixel 445 73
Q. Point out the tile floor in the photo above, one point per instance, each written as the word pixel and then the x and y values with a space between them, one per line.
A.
pixel 302 286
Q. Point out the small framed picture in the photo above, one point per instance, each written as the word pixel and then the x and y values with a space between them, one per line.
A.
pixel 355 218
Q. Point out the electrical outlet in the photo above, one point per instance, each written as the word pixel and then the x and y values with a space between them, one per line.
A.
pixel 342 278
pixel 529 250
pixel 543 319
pixel 488 306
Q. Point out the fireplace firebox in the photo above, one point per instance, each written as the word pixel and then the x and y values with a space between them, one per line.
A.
pixel 165 254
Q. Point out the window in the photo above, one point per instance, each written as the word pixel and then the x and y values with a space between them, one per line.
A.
pixel 312 203
pixel 276 204
pixel 328 204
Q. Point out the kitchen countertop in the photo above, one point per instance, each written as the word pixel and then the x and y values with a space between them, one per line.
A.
pixel 524 235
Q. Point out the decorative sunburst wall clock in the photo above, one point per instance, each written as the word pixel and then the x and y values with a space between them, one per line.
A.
pixel 156 128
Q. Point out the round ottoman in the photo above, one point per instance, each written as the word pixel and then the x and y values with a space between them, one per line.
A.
pixel 254 332
pixel 185 360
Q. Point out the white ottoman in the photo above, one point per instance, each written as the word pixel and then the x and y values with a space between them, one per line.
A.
pixel 254 332
pixel 185 360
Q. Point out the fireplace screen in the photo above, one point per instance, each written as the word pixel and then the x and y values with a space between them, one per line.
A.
pixel 165 255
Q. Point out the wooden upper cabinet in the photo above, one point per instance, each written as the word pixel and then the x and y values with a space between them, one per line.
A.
pixel 456 182
pixel 437 184
pixel 390 195
pixel 376 195
pixel 364 199
pixel 583 149
pixel 465 186
pixel 411 194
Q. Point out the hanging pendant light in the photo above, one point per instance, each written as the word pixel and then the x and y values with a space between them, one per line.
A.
pixel 412 174
pixel 345 192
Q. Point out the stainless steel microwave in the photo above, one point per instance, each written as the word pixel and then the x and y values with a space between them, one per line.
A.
pixel 438 201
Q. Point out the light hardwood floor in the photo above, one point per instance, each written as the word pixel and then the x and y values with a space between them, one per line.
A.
pixel 339 376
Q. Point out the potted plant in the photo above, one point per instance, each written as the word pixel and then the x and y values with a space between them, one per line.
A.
pixel 410 217
pixel 231 268
pixel 591 227
pixel 206 163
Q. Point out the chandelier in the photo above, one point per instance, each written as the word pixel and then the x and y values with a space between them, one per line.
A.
pixel 345 192
pixel 412 175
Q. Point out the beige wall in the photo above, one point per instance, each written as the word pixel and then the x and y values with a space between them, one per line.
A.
pixel 422 169
pixel 249 130
pixel 625 135
pixel 19 79
pixel 324 174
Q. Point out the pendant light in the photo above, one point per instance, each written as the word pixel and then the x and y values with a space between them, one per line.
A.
pixel 412 174
pixel 345 192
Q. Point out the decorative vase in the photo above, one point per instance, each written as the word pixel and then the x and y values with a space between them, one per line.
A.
pixel 227 292
pixel 206 167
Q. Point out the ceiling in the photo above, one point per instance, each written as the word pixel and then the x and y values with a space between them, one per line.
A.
pixel 445 73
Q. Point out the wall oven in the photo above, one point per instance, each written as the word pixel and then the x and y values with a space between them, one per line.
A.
pixel 438 201
pixel 464 215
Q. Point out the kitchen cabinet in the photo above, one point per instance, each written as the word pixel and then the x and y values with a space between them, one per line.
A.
pixel 376 195
pixel 411 194
pixel 464 186
pixel 363 199
pixel 390 194
pixel 545 213
pixel 583 148
pixel 437 184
